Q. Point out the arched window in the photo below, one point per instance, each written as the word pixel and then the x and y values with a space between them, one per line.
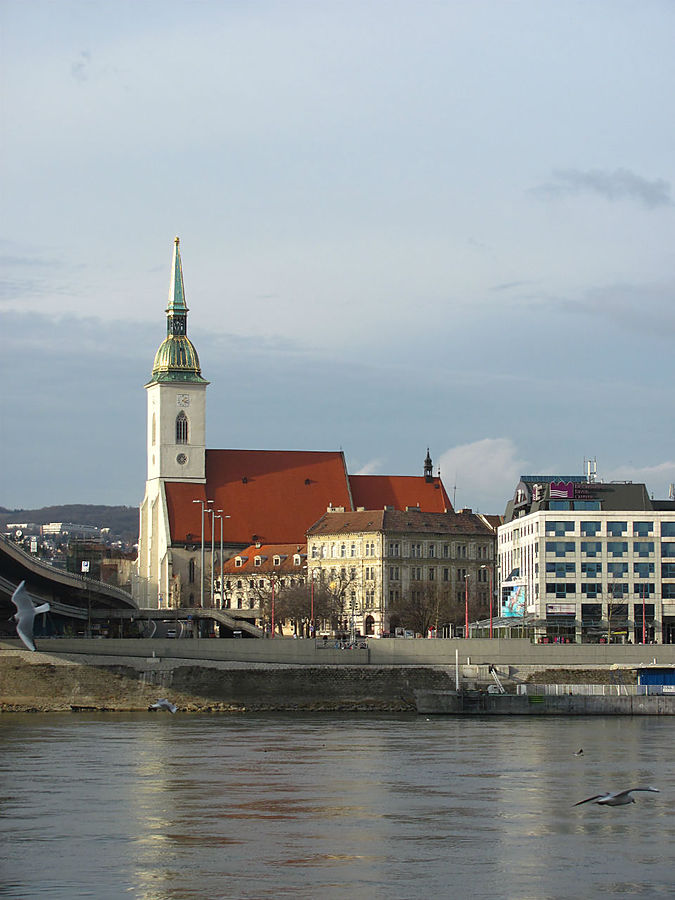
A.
pixel 181 428
pixel 191 572
pixel 154 429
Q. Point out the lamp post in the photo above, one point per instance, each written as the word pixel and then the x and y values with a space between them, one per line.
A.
pixel 272 579
pixel 466 606
pixel 204 505
pixel 219 515
pixel 489 568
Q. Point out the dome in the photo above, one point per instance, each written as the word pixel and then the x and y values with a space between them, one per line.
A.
pixel 176 360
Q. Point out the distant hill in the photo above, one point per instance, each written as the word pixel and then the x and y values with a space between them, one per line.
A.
pixel 121 520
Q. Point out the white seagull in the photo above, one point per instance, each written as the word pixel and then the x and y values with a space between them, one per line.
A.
pixel 616 798
pixel 164 704
pixel 25 614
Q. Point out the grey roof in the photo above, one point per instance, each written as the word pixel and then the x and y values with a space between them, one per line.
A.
pixel 401 522
pixel 613 496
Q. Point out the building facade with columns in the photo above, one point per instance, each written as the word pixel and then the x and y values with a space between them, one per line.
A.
pixel 589 561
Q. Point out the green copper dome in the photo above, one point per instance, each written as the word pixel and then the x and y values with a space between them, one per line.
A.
pixel 176 359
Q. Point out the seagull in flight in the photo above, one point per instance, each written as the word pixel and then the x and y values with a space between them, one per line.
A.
pixel 25 614
pixel 164 704
pixel 616 798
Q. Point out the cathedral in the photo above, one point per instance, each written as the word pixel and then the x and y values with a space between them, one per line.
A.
pixel 197 499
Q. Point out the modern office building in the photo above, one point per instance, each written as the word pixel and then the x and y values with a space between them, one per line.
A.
pixel 588 561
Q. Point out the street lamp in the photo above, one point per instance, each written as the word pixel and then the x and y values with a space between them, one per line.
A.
pixel 489 568
pixel 466 606
pixel 219 515
pixel 204 505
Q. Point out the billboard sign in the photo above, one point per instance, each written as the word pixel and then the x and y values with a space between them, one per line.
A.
pixel 513 601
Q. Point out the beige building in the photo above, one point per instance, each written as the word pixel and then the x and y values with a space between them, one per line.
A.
pixel 387 559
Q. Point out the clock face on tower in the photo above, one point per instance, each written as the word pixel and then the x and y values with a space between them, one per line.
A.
pixel 182 400
pixel 181 459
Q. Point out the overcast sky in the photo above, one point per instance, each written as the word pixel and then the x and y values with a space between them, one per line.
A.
pixel 403 224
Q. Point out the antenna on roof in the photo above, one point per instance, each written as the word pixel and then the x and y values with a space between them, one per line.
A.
pixel 591 466
pixel 671 492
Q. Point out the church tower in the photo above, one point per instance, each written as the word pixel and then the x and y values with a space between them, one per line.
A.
pixel 176 439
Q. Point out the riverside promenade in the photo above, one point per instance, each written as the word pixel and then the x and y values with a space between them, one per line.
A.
pixel 291 675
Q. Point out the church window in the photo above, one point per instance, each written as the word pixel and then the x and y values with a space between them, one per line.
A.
pixel 181 428
pixel 191 571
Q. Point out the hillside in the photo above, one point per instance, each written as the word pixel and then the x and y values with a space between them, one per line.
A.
pixel 121 520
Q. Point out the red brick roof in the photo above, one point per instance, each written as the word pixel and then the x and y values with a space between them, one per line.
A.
pixel 274 496
pixel 399 491
pixel 267 552
pixel 270 495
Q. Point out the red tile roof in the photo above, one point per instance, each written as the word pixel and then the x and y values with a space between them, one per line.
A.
pixel 399 491
pixel 270 495
pixel 267 552
pixel 274 496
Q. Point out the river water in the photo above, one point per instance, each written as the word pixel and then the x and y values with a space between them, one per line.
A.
pixel 155 806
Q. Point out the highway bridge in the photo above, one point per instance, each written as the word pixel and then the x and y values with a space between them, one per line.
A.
pixel 85 606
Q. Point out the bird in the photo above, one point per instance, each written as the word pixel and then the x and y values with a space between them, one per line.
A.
pixel 616 798
pixel 579 752
pixel 25 614
pixel 164 704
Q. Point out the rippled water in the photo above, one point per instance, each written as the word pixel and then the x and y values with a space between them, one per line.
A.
pixel 156 806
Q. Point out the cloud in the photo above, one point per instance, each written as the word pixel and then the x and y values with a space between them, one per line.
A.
pixel 640 308
pixel 658 477
pixel 372 467
pixel 485 473
pixel 621 184
pixel 80 68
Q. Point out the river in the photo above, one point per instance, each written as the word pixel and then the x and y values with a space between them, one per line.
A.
pixel 162 807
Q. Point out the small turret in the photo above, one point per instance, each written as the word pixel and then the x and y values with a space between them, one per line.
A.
pixel 428 468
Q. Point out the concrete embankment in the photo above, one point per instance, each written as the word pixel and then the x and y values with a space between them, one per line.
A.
pixel 477 703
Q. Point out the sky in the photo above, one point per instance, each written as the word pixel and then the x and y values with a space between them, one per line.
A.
pixel 403 225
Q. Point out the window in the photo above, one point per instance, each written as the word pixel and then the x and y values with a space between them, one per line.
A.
pixel 616 529
pixel 667 529
pixel 394 596
pixel 617 589
pixel 590 529
pixel 191 571
pixel 561 588
pixel 593 570
pixel 256 561
pixel 461 551
pixel 446 551
pixel 483 551
pixel 642 591
pixel 432 551
pixel 181 428
pixel 591 589
pixel 617 570
pixel 461 573
pixel 668 591
pixel 668 550
pixel 238 561
pixel 343 550
pixel 352 549
pixel 416 550
pixel 559 570
pixel 370 573
pixel 559 529
pixel 586 504
pixel 667 570
pixel 276 561
pixel 643 548
pixel 394 549
pixel 446 574
pixel 559 504
pixel 394 573
pixel 415 573
pixel 560 548
pixel 643 570
pixel 617 548
pixel 432 573
pixel 643 529
pixel 154 429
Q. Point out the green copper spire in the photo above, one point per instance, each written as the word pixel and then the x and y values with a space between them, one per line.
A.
pixel 177 304
pixel 177 360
